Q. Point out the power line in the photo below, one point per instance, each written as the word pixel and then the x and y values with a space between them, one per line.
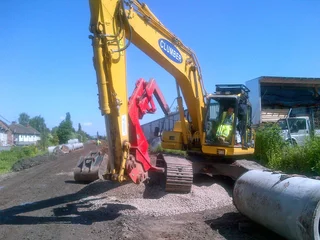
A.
pixel 5 119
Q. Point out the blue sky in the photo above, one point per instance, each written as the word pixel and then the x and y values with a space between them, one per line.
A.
pixel 46 57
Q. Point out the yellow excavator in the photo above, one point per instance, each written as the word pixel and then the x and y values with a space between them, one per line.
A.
pixel 216 132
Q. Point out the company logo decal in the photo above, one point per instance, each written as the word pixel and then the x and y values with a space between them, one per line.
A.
pixel 170 50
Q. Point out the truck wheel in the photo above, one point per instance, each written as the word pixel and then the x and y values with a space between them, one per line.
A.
pixel 291 142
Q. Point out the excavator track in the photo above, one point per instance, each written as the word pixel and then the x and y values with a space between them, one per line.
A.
pixel 178 173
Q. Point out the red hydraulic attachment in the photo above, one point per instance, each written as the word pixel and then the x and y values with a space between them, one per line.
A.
pixel 140 103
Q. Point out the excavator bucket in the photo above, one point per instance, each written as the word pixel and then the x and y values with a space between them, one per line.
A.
pixel 87 169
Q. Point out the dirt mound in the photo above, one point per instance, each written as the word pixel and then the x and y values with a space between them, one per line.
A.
pixel 152 200
pixel 31 162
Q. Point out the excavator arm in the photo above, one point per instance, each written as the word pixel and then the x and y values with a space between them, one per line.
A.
pixel 115 24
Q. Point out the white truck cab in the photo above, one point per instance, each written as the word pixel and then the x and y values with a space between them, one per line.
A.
pixel 300 129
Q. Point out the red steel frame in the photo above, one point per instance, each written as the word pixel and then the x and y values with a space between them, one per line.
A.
pixel 140 103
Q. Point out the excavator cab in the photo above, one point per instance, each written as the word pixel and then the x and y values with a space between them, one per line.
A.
pixel 228 119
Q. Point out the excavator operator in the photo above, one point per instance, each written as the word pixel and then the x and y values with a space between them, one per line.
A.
pixel 225 127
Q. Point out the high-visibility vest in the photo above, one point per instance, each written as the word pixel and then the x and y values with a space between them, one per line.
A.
pixel 225 127
pixel 230 120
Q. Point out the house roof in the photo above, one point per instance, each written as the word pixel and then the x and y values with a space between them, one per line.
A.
pixel 20 129
pixel 4 126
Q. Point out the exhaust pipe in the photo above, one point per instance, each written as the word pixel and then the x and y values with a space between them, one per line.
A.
pixel 286 204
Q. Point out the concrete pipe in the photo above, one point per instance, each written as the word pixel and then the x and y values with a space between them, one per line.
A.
pixel 51 149
pixel 286 204
pixel 71 141
pixel 70 147
pixel 77 145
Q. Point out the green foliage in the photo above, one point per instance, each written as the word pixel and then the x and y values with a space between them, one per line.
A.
pixel 268 143
pixel 24 119
pixel 54 130
pixel 8 158
pixel 73 135
pixel 159 149
pixel 53 139
pixel 82 136
pixel 65 130
pixel 313 154
pixel 272 151
pixel 68 117
pixel 39 124
pixel 302 159
pixel 58 134
pixel 79 128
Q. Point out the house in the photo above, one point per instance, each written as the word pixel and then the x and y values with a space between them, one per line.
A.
pixel 6 137
pixel 24 135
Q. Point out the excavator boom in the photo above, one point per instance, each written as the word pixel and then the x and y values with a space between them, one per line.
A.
pixel 111 23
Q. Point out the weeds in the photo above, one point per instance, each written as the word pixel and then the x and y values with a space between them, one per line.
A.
pixel 272 151
pixel 159 149
pixel 268 144
pixel 9 158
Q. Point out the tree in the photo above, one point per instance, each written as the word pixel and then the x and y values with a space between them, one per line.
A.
pixel 64 132
pixel 68 117
pixel 79 128
pixel 24 119
pixel 65 129
pixel 54 130
pixel 55 139
pixel 39 124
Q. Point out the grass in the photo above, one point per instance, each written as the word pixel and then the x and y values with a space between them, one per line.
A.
pixel 159 149
pixel 272 151
pixel 9 158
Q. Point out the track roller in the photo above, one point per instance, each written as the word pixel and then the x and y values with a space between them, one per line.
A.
pixel 179 173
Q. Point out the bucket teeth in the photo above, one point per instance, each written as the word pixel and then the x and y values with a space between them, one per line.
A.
pixel 87 169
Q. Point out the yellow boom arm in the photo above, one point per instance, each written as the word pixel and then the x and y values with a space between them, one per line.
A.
pixel 111 23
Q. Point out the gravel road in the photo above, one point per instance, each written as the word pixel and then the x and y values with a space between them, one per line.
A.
pixel 43 202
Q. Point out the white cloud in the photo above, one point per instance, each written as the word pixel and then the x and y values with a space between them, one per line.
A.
pixel 87 124
pixel 62 118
